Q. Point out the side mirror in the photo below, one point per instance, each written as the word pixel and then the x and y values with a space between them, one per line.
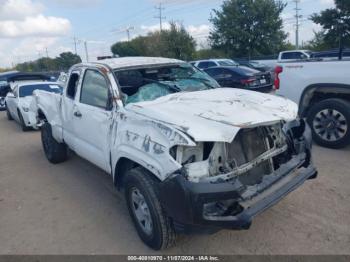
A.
pixel 11 95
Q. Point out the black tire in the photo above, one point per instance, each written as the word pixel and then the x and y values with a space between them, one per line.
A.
pixel 55 152
pixel 162 235
pixel 8 114
pixel 330 123
pixel 21 120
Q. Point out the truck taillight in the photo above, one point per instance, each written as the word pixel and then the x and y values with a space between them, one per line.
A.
pixel 278 70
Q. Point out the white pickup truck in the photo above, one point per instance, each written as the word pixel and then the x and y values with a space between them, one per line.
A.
pixel 322 90
pixel 188 155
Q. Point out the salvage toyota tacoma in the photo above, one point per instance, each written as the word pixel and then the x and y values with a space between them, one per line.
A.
pixel 189 156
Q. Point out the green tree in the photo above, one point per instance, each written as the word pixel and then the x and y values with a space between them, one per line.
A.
pixel 208 53
pixel 318 43
pixel 335 23
pixel 173 43
pixel 63 62
pixel 177 42
pixel 248 27
pixel 66 60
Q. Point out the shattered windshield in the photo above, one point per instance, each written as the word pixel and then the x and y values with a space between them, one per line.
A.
pixel 147 84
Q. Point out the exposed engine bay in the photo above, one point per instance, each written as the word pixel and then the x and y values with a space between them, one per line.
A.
pixel 254 153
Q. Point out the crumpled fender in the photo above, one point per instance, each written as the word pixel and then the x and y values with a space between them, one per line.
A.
pixel 147 142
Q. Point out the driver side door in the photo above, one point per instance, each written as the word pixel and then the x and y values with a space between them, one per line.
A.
pixel 93 119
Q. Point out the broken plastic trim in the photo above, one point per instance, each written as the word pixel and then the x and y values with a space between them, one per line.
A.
pixel 248 166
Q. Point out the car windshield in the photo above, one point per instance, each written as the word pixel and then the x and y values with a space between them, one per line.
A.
pixel 147 84
pixel 29 89
pixel 227 63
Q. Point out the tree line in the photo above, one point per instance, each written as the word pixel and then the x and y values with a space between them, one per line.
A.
pixel 61 63
pixel 242 28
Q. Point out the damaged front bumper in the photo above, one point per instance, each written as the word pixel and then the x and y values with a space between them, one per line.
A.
pixel 209 206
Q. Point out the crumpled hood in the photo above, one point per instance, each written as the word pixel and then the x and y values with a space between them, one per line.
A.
pixel 217 114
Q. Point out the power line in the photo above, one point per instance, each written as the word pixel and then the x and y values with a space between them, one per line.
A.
pixel 160 15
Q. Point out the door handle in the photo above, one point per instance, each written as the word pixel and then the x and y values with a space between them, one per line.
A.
pixel 77 114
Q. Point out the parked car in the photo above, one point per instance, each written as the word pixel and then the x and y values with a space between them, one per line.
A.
pixel 256 65
pixel 331 54
pixel 188 155
pixel 286 56
pixel 5 87
pixel 203 64
pixel 322 90
pixel 18 102
pixel 241 77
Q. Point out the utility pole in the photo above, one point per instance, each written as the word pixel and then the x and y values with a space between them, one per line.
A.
pixel 128 31
pixel 86 51
pixel 160 16
pixel 75 44
pixel 297 24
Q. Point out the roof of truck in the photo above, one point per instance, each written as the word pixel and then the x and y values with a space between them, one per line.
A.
pixel 123 62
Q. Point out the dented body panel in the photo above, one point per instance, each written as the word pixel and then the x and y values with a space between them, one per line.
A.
pixel 194 143
pixel 224 110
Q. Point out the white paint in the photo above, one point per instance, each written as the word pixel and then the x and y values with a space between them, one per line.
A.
pixel 297 76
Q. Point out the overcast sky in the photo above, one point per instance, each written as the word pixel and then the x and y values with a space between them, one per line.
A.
pixel 29 27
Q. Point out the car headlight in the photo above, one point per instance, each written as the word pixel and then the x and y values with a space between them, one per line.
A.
pixel 25 109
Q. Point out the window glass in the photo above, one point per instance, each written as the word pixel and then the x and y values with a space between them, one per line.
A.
pixel 211 64
pixel 72 85
pixel 203 65
pixel 293 55
pixel 213 72
pixel 94 90
pixel 227 63
pixel 147 84
pixel 29 89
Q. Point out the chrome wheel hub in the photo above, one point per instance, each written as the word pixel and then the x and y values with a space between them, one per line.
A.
pixel 141 211
pixel 330 125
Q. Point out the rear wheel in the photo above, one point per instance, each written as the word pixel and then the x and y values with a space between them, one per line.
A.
pixel 330 123
pixel 153 225
pixel 55 152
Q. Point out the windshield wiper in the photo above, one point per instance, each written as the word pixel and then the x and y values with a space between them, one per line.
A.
pixel 172 87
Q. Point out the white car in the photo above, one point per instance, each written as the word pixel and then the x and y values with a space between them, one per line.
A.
pixel 204 64
pixel 18 101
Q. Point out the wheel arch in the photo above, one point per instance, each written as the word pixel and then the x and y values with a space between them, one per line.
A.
pixel 318 92
pixel 41 114
pixel 123 165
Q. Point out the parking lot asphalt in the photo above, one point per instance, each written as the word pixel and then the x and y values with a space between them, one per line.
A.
pixel 72 208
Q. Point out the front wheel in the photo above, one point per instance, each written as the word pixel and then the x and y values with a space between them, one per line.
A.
pixel 55 152
pixel 153 225
pixel 8 114
pixel 330 123
pixel 22 123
